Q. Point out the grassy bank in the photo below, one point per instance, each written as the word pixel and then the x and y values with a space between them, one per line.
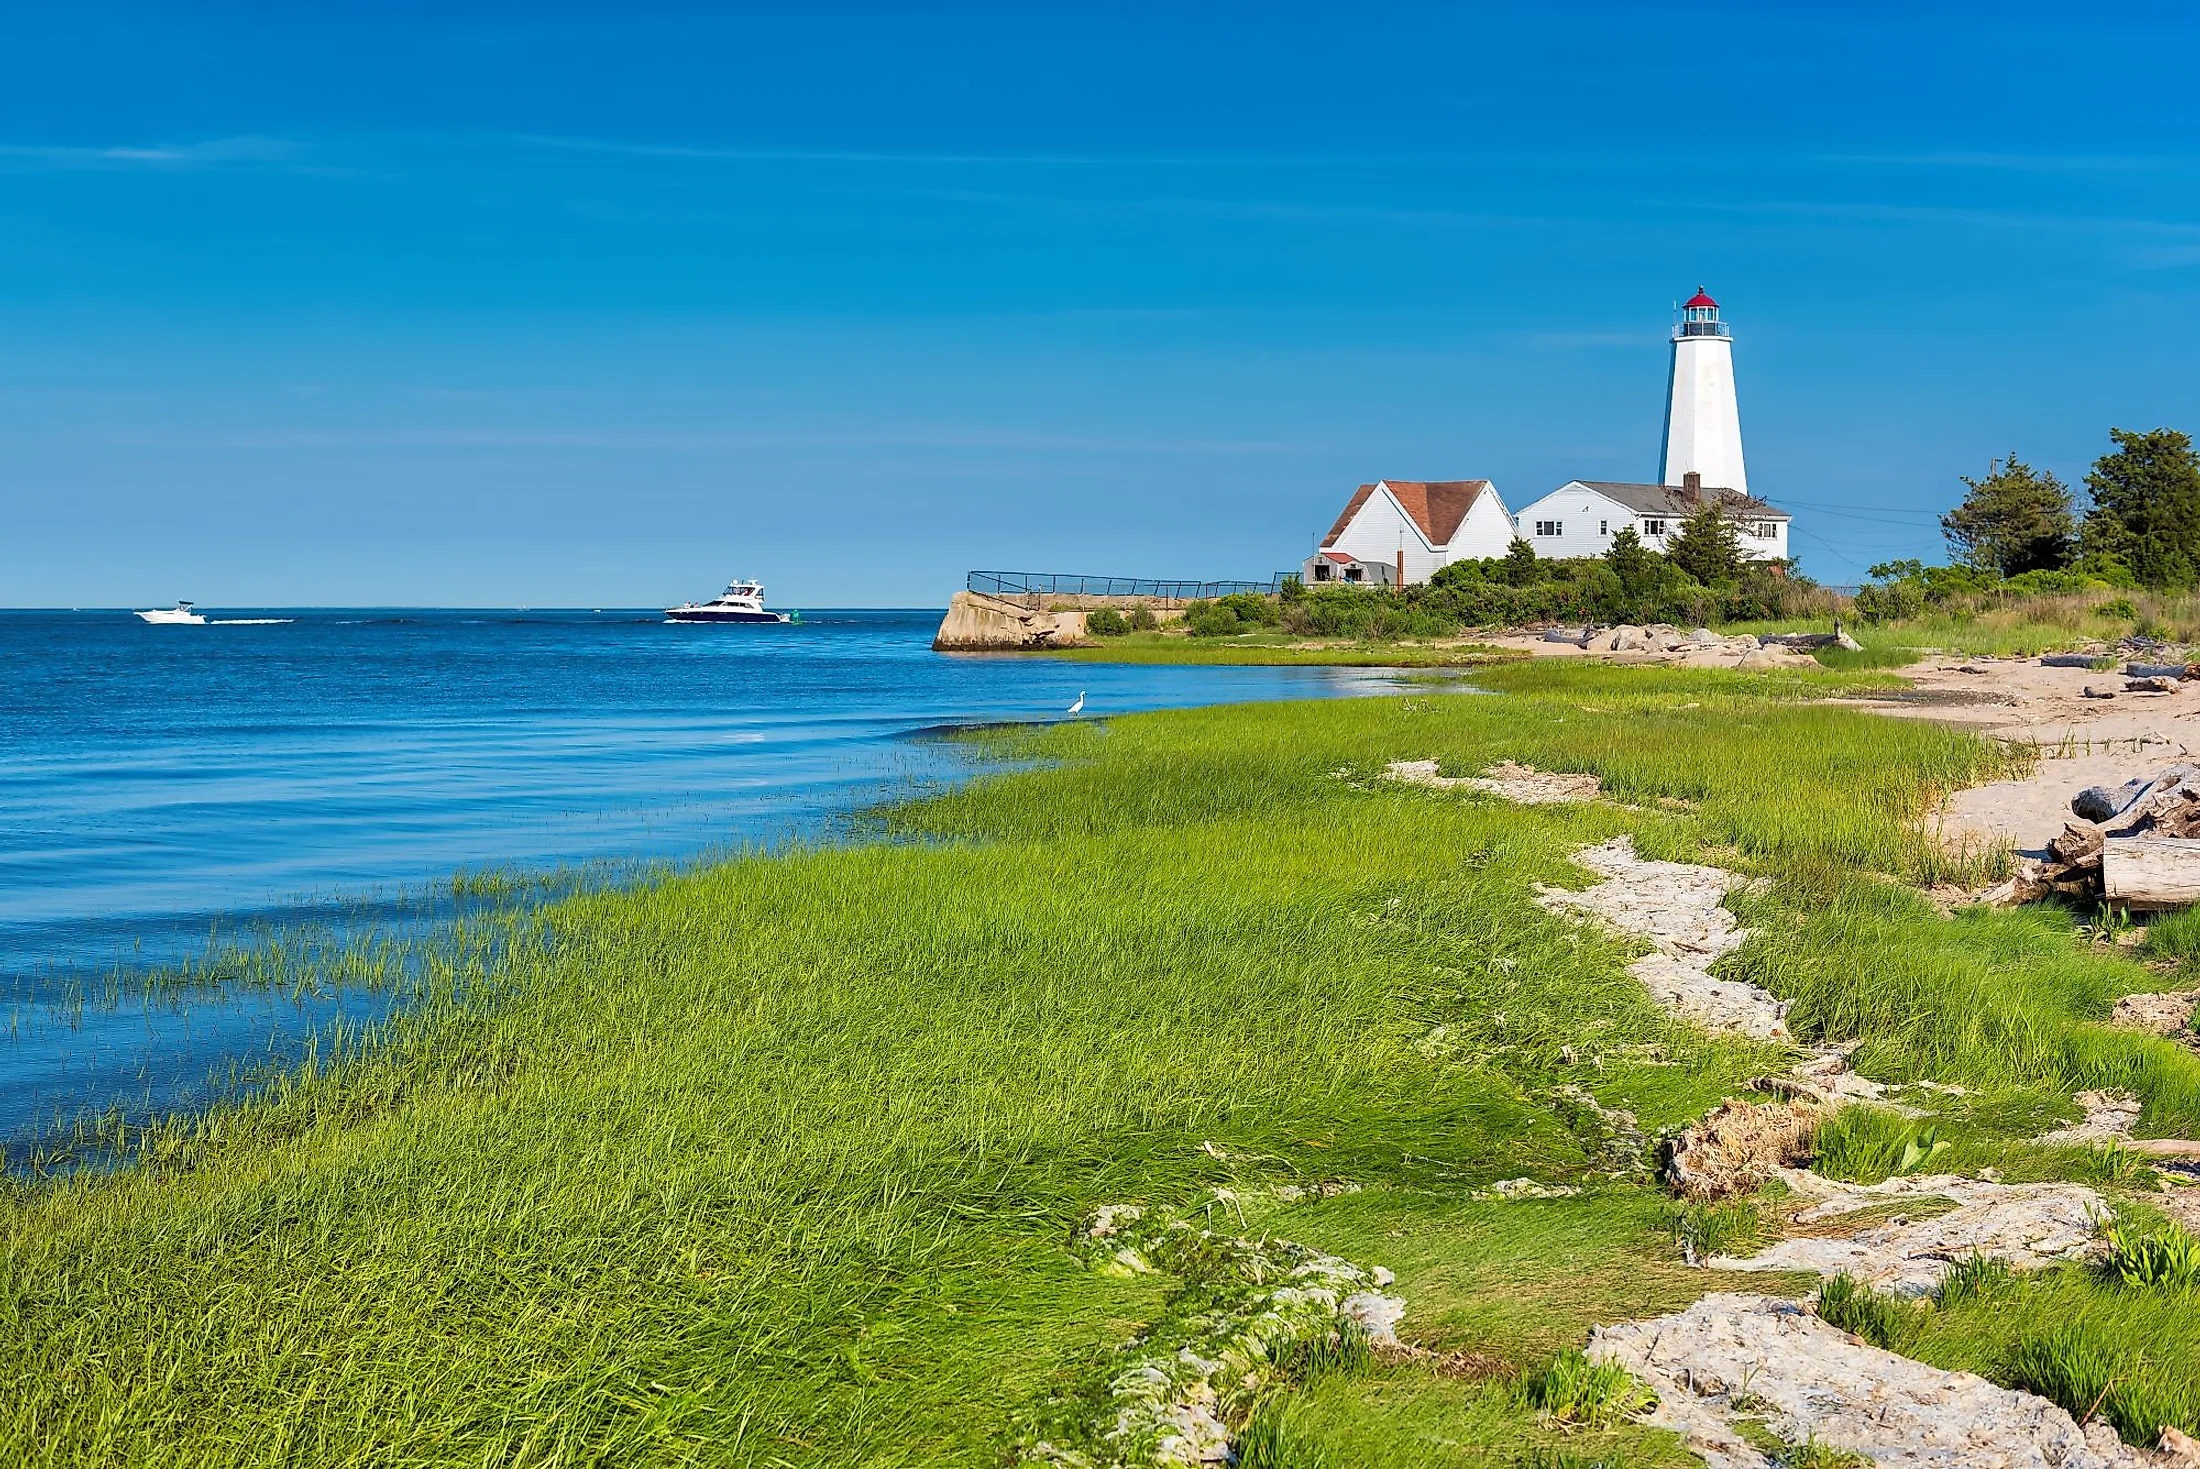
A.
pixel 1274 649
pixel 777 1163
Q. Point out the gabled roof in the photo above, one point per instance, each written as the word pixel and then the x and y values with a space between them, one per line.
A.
pixel 1438 506
pixel 1677 501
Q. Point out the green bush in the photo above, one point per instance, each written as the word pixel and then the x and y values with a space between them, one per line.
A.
pixel 1143 620
pixel 1207 620
pixel 2169 1260
pixel 1106 622
pixel 2119 608
pixel 1863 1144
pixel 1572 1389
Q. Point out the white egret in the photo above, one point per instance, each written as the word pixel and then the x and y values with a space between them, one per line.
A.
pixel 1079 706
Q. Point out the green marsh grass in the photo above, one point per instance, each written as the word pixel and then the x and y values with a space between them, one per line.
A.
pixel 777 1162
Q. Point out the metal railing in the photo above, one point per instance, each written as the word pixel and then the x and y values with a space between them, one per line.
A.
pixel 1068 584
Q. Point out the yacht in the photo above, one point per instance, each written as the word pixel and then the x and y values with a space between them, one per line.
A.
pixel 180 613
pixel 741 601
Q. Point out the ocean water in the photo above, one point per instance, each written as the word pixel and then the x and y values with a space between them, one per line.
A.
pixel 166 791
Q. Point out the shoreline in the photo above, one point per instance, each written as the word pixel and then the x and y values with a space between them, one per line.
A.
pixel 851 1102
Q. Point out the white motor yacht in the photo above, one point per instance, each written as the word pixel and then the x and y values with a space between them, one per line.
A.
pixel 180 613
pixel 741 601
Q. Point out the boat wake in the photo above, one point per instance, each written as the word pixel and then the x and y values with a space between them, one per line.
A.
pixel 247 621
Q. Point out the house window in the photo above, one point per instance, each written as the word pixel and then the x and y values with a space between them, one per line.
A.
pixel 1653 527
pixel 1766 530
pixel 1604 527
pixel 1321 571
pixel 1549 528
pixel 1352 573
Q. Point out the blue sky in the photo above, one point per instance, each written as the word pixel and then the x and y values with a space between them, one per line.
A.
pixel 548 304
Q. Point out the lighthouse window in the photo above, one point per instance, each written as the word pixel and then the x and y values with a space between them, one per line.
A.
pixel 1549 528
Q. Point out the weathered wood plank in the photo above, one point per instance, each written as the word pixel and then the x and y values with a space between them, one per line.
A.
pixel 2151 872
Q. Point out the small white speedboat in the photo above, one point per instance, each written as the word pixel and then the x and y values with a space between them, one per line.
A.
pixel 741 601
pixel 180 613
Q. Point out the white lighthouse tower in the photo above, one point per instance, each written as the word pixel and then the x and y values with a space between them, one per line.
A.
pixel 1703 426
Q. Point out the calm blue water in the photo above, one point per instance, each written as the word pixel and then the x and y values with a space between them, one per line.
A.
pixel 167 788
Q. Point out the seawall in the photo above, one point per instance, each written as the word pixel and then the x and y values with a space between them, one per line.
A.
pixel 976 623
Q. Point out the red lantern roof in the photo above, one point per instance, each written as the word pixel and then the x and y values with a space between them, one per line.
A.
pixel 1702 298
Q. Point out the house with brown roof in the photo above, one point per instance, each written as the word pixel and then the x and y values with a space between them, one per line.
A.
pixel 1396 532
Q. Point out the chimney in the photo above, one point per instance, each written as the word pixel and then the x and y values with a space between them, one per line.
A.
pixel 1692 486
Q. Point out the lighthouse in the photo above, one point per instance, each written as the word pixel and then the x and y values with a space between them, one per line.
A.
pixel 1703 427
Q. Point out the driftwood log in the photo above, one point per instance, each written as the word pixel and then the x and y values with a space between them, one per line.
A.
pixel 2162 670
pixel 2151 873
pixel 2137 845
pixel 2071 660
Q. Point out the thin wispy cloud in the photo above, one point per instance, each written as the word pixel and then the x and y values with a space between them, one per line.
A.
pixel 209 153
pixel 620 440
pixel 2020 162
pixel 710 153
pixel 1948 214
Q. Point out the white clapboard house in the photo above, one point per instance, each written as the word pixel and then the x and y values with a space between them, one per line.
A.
pixel 1580 517
pixel 1397 532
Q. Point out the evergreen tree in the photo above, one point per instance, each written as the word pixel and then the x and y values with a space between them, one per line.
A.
pixel 2146 506
pixel 1705 547
pixel 1633 563
pixel 2013 521
pixel 1520 568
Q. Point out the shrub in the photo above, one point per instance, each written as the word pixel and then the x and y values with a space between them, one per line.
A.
pixel 2169 1260
pixel 1252 609
pixel 1209 620
pixel 1862 1144
pixel 2118 609
pixel 1572 1389
pixel 1143 620
pixel 1106 622
pixel 1883 1320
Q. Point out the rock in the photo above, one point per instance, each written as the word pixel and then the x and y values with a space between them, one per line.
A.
pixel 1166 1394
pixel 2069 660
pixel 2109 1118
pixel 1746 1356
pixel 1737 1146
pixel 1566 635
pixel 2029 1226
pixel 1520 783
pixel 1775 657
pixel 2181 1447
pixel 2096 691
pixel 1626 639
pixel 1680 908
pixel 2162 1014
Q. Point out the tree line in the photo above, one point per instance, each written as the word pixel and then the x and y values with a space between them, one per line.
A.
pixel 2141 528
